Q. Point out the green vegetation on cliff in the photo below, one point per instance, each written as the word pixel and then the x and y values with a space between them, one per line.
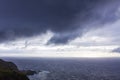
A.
pixel 9 71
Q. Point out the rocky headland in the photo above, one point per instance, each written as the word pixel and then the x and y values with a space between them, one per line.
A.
pixel 9 71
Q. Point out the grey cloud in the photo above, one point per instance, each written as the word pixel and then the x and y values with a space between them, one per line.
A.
pixel 117 50
pixel 67 19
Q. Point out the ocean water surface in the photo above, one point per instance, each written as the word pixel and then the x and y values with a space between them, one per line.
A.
pixel 70 68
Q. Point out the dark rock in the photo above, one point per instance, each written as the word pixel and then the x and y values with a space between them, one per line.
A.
pixel 29 72
pixel 9 71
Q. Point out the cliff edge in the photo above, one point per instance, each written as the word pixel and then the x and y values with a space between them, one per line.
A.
pixel 9 71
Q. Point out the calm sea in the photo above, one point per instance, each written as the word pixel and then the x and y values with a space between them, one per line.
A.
pixel 70 68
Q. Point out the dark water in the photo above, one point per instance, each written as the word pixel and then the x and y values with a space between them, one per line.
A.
pixel 70 68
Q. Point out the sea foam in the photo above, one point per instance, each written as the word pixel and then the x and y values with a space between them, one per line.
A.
pixel 40 76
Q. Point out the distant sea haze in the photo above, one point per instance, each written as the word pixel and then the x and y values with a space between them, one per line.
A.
pixel 70 68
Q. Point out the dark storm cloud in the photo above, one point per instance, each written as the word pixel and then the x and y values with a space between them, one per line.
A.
pixel 67 19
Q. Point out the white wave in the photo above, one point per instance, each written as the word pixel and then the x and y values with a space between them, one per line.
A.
pixel 40 76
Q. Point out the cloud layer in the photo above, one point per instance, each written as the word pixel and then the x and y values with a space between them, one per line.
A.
pixel 116 50
pixel 67 19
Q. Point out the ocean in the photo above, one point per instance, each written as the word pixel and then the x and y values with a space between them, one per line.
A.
pixel 70 68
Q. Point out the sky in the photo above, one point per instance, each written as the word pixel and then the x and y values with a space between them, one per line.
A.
pixel 59 28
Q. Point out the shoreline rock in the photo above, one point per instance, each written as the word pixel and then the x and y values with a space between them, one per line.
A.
pixel 28 72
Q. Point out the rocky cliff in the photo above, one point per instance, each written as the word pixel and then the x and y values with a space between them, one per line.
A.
pixel 9 71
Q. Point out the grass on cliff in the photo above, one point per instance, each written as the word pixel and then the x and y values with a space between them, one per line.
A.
pixel 12 75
